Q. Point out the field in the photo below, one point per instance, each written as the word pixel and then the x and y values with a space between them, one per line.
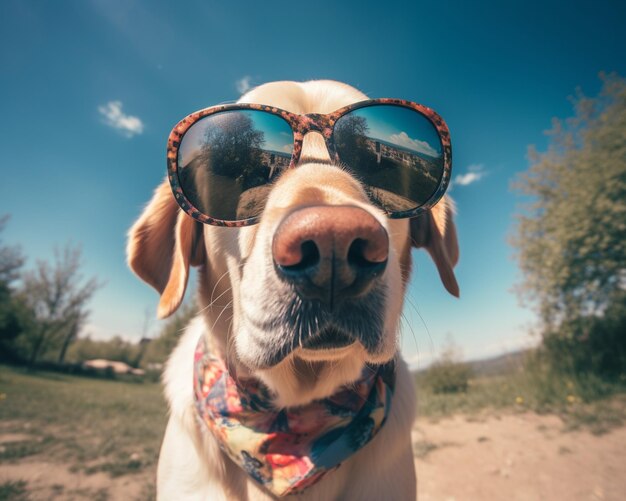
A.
pixel 65 437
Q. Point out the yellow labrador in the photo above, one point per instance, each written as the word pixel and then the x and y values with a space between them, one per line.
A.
pixel 300 306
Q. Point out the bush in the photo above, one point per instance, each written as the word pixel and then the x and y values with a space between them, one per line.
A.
pixel 447 375
pixel 590 346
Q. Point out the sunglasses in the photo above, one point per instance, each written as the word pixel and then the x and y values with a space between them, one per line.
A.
pixel 223 161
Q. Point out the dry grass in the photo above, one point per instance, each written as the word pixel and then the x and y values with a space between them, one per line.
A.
pixel 582 403
pixel 90 425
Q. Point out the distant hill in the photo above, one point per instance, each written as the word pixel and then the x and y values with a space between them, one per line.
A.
pixel 494 366
pixel 500 365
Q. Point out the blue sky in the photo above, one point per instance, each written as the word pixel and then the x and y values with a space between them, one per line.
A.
pixel 402 127
pixel 89 91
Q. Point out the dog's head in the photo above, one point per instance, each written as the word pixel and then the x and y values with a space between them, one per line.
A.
pixel 304 299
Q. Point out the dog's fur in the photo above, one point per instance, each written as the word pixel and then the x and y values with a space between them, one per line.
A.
pixel 242 304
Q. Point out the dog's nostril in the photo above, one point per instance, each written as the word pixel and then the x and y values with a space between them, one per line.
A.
pixel 310 257
pixel 359 257
pixel 356 254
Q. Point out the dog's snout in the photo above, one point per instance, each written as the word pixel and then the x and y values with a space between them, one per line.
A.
pixel 330 252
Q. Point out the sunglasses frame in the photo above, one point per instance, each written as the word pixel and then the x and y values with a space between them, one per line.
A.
pixel 300 126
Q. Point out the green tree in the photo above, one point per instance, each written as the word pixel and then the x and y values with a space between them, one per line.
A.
pixel 232 147
pixel 57 296
pixel 571 235
pixel 116 348
pixel 11 259
pixel 351 133
pixel 161 346
pixel 12 312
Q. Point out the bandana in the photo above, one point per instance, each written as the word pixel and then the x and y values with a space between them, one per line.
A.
pixel 286 450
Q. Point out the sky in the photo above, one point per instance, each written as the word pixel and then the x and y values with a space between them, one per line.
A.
pixel 89 91
pixel 402 127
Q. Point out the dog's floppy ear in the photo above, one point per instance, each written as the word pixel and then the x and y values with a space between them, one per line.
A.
pixel 161 245
pixel 435 231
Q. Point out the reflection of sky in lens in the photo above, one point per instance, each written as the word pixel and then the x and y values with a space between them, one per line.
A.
pixel 402 127
pixel 277 133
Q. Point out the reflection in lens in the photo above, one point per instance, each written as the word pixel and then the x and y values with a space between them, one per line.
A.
pixel 395 151
pixel 227 160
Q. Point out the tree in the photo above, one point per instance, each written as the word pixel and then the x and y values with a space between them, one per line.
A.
pixel 11 259
pixel 571 236
pixel 161 346
pixel 57 296
pixel 11 310
pixel 351 133
pixel 233 146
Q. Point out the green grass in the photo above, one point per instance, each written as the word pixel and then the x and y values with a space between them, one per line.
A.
pixel 582 402
pixel 14 491
pixel 92 424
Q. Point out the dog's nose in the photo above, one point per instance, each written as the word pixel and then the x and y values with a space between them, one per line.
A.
pixel 330 252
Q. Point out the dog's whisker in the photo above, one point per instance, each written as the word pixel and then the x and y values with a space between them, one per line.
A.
pixel 228 305
pixel 405 320
pixel 413 302
pixel 230 343
pixel 212 303
pixel 216 284
pixel 228 289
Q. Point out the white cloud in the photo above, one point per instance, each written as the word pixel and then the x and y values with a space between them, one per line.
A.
pixel 113 116
pixel 244 84
pixel 475 173
pixel 403 139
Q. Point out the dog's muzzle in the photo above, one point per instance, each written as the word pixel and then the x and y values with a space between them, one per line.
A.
pixel 332 257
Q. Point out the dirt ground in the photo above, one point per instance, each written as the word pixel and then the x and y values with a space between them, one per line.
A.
pixel 511 457
pixel 517 457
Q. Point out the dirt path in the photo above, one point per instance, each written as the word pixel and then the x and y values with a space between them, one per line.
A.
pixel 517 457
pixel 47 481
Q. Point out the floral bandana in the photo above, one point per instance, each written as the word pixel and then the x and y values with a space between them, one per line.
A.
pixel 287 450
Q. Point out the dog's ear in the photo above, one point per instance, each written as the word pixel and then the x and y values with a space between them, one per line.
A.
pixel 435 231
pixel 161 245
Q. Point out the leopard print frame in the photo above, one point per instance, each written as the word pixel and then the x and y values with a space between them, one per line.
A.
pixel 301 125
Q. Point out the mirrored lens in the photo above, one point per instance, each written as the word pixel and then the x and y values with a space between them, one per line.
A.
pixel 395 151
pixel 227 161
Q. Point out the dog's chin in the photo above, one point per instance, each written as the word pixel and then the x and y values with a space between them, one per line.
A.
pixel 324 354
pixel 312 374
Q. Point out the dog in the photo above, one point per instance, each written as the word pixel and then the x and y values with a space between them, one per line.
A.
pixel 249 314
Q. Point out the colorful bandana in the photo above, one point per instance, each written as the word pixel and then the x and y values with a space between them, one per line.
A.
pixel 287 450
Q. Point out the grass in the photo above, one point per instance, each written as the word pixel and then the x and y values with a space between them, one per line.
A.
pixel 90 424
pixel 115 427
pixel 582 402
pixel 14 491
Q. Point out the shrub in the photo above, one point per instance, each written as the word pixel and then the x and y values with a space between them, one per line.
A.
pixel 447 375
pixel 590 345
